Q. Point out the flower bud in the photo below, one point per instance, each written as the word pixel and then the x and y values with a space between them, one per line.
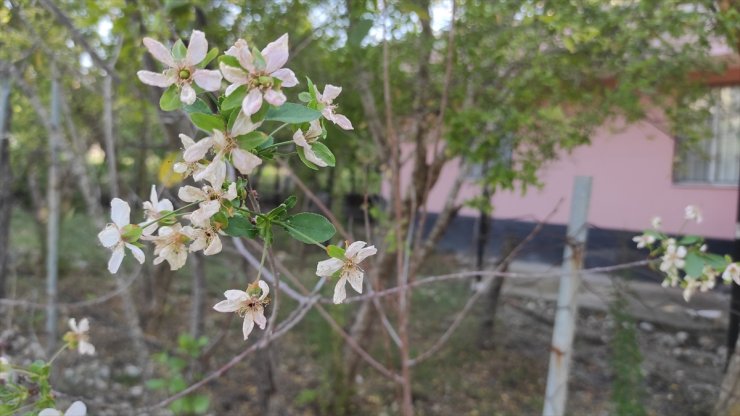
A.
pixel 131 233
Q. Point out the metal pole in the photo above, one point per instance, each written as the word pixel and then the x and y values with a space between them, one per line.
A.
pixel 567 311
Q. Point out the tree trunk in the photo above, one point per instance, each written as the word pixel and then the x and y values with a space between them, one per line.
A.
pixel 52 223
pixel 728 403
pixel 6 181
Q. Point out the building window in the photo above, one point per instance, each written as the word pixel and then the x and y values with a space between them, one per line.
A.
pixel 717 159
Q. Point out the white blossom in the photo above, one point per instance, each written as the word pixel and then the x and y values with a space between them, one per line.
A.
pixel 328 109
pixel 732 273
pixel 209 197
pixel 249 304
pixel 153 209
pixel 205 237
pixel 643 240
pixel 186 168
pixel 170 244
pixel 76 409
pixel 259 76
pixel 349 267
pixel 306 140
pixel 182 72
pixel 692 212
pixel 6 370
pixel 118 234
pixel 673 258
pixel 656 222
pixel 79 336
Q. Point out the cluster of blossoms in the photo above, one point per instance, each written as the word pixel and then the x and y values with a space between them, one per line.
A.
pixel 19 384
pixel 232 146
pixel 685 262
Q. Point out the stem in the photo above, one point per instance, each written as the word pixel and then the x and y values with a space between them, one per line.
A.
pixel 56 354
pixel 286 225
pixel 170 214
pixel 278 129
pixel 274 145
pixel 262 261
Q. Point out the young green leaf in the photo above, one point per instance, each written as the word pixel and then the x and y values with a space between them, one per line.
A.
pixel 335 251
pixel 170 100
pixel 235 98
pixel 323 153
pixel 305 97
pixel 199 106
pixel 209 57
pixel 207 122
pixel 229 60
pixel 310 228
pixel 305 161
pixel 252 139
pixel 292 113
pixel 694 264
pixel 240 227
pixel 178 50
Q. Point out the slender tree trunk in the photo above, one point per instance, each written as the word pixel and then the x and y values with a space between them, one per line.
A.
pixel 52 224
pixel 196 308
pixel 6 181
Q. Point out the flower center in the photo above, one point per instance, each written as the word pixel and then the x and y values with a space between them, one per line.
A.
pixel 184 74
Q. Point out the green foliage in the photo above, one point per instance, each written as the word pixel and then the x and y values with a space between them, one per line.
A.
pixel 292 113
pixel 208 122
pixel 170 99
pixel 627 387
pixel 309 227
pixel 175 380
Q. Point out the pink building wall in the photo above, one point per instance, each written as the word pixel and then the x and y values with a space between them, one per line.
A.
pixel 632 182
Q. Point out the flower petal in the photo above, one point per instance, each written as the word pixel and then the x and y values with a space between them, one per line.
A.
pixel 276 98
pixel 252 102
pixel 83 326
pixel 247 326
pixel 116 259
pixel 73 324
pixel 353 249
pixel 326 268
pixel 233 294
pixel 243 125
pixel 187 94
pixel 186 140
pixel 110 236
pixel 209 80
pixel 50 412
pixel 198 150
pixel 342 122
pixel 197 49
pixel 137 252
pixel 354 276
pixel 226 306
pixel 190 194
pixel 245 162
pixel 340 293
pixel 214 247
pixel 120 212
pixel 159 52
pixel 330 93
pixel 155 79
pixel 265 289
pixel 240 50
pixel 84 348
pixel 259 318
pixel 276 54
pixel 77 408
pixel 287 77
pixel 234 75
pixel 365 253
pixel 311 157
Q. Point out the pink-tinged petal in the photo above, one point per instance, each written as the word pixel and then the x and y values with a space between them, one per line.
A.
pixel 226 306
pixel 230 193
pixel 354 277
pixel 343 122
pixel 287 77
pixel 330 93
pixel 265 289
pixel 236 76
pixel 243 125
pixel 155 79
pixel 314 129
pixel 214 248
pixel 187 94
pixel 198 150
pixel 300 139
pixel 159 52
pixel 116 259
pixel 252 102
pixel 240 51
pixel 231 88
pixel 120 212
pixel 259 318
pixel 137 252
pixel 276 54
pixel 365 253
pixel 236 295
pixel 189 193
pixel 340 293
pixel 312 157
pixel 276 98
pixel 197 49
pixel 209 80
pixel 326 268
pixel 353 249
pixel 186 140
pixel 245 162
pixel 110 236
pixel 247 326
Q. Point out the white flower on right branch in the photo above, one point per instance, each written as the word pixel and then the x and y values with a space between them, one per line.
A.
pixel 692 212
pixel 643 240
pixel 306 140
pixel 249 304
pixel 732 273
pixel 79 337
pixel 153 209
pixel 673 258
pixel 328 109
pixel 114 235
pixel 76 409
pixel 349 268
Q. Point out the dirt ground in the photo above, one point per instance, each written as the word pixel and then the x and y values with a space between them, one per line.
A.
pixel 682 347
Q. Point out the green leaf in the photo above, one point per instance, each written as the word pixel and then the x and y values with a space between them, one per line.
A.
pixel 229 60
pixel 305 161
pixel 232 116
pixel 179 50
pixel 252 139
pixel 323 153
pixel 258 60
pixel 241 227
pixel 694 264
pixel 170 100
pixel 199 106
pixel 305 97
pixel 335 251
pixel 208 122
pixel 715 260
pixel 201 403
pixel 290 201
pixel 689 240
pixel 211 55
pixel 235 99
pixel 155 384
pixel 310 228
pixel 292 113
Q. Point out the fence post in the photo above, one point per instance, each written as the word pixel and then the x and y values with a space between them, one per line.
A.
pixel 566 313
